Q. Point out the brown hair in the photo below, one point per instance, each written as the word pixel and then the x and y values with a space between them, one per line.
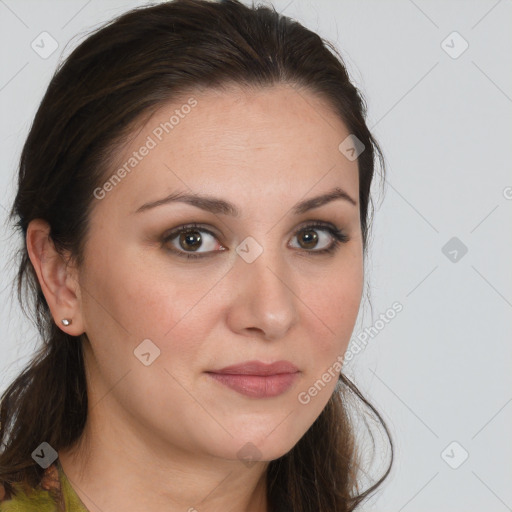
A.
pixel 112 82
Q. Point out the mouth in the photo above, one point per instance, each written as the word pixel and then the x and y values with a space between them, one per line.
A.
pixel 256 379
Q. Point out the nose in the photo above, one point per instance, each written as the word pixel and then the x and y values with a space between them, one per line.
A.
pixel 264 301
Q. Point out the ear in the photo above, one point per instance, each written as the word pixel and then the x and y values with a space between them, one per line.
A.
pixel 58 281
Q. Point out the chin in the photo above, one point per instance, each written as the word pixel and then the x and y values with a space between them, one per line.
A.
pixel 265 445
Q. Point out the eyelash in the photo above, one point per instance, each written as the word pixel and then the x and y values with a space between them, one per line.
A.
pixel 339 238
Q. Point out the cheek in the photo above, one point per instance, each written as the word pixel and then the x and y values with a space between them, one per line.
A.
pixel 137 296
pixel 334 306
pixel 171 305
pixel 334 303
pixel 123 308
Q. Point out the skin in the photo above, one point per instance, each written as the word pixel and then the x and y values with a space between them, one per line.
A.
pixel 166 436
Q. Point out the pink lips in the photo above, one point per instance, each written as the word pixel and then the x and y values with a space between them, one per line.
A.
pixel 257 379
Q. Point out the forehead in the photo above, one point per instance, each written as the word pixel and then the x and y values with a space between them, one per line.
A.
pixel 240 140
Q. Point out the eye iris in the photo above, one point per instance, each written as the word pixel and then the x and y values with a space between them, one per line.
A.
pixel 311 238
pixel 190 240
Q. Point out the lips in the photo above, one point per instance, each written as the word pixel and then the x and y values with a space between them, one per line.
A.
pixel 258 368
pixel 256 379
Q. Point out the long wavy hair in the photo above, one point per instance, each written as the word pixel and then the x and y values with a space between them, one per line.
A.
pixel 107 87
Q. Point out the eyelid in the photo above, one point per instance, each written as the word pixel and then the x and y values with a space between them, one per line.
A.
pixel 339 235
pixel 188 227
pixel 193 226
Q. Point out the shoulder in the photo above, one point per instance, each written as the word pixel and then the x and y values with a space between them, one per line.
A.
pixel 42 498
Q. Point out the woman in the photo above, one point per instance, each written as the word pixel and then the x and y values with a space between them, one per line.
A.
pixel 193 196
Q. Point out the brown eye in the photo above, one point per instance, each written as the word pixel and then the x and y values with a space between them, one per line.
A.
pixel 190 240
pixel 187 241
pixel 320 238
pixel 310 238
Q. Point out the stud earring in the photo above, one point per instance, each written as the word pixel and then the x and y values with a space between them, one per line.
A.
pixel 65 321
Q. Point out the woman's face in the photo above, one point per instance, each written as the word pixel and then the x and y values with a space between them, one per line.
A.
pixel 258 287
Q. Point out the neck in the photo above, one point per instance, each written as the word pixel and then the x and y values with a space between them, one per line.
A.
pixel 150 476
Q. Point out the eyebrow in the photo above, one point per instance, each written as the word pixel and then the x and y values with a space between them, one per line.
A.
pixel 220 206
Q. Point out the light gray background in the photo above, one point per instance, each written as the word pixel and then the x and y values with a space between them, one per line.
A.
pixel 440 371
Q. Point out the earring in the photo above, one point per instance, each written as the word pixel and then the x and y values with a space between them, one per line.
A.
pixel 65 321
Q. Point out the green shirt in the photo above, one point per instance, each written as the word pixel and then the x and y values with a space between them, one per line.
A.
pixel 53 494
